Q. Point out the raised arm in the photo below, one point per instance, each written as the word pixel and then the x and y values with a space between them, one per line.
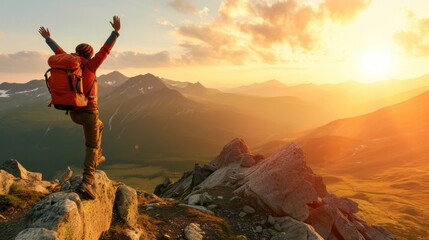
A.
pixel 51 43
pixel 101 55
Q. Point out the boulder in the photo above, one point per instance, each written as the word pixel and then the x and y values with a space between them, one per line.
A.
pixel 37 233
pixel 322 220
pixel 126 206
pixel 346 205
pixel 284 183
pixel 36 186
pixel 247 161
pixel 60 212
pixel 231 153
pixel 345 228
pixel 297 230
pixel 181 188
pixel 70 217
pixel 201 173
pixel 160 189
pixel 13 167
pixel 6 180
pixel 193 232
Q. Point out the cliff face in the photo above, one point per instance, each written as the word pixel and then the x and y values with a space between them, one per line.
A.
pixel 295 198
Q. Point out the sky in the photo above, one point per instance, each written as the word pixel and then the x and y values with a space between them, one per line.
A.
pixel 226 42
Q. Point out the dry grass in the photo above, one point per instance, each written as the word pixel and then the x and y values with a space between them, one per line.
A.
pixel 395 199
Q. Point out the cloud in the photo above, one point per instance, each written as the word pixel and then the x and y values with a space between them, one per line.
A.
pixel 24 62
pixel 415 39
pixel 204 12
pixel 33 62
pixel 164 22
pixel 264 30
pixel 183 6
pixel 344 10
pixel 121 60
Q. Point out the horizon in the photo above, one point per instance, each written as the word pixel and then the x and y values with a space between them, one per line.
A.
pixel 229 43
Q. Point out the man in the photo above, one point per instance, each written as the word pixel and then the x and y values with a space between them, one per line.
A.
pixel 88 116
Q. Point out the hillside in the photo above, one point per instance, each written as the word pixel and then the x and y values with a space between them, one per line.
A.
pixel 379 159
pixel 239 195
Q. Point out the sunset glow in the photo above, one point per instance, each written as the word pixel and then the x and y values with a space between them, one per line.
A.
pixel 229 42
pixel 376 64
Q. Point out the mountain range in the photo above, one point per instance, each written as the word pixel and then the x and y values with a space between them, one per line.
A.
pixel 151 119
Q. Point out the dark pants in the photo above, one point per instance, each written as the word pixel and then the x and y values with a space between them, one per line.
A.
pixel 92 129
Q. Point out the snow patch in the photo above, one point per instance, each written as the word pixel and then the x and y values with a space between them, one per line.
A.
pixel 27 91
pixel 111 118
pixel 110 83
pixel 3 94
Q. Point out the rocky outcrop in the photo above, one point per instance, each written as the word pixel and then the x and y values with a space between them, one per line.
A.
pixel 231 153
pixel 286 187
pixel 64 215
pixel 6 181
pixel 284 183
pixel 125 207
pixel 70 217
pixel 12 172
pixel 13 167
pixel 37 233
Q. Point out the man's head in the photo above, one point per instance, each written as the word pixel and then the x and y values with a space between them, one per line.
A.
pixel 84 50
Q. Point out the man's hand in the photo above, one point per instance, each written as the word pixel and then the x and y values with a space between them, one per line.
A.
pixel 44 32
pixel 116 24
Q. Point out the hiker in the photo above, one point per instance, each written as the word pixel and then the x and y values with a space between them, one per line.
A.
pixel 88 116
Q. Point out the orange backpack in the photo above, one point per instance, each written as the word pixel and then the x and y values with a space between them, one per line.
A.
pixel 65 82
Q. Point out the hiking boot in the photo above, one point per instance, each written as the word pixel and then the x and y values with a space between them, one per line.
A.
pixel 85 191
pixel 100 160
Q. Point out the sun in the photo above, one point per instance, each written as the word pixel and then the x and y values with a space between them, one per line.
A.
pixel 376 64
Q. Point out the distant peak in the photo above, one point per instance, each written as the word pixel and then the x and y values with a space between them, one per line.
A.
pixel 273 82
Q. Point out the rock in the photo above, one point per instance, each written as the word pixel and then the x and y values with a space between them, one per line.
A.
pixel 344 204
pixel 271 220
pixel 6 180
pixel 65 186
pixel 126 206
pixel 247 161
pixel 59 212
pixel 376 233
pixel 258 157
pixel 212 207
pixel 345 228
pixel 37 233
pixel 283 182
pixel 258 229
pixel 200 199
pixel 322 219
pixel 33 185
pixel 133 234
pixel 13 167
pixel 194 199
pixel 181 188
pixel 65 176
pixel 160 189
pixel 297 230
pixel 242 214
pixel 201 173
pixel 281 236
pixel 193 232
pixel 70 217
pixel 231 153
pixel 200 208
pixel 248 210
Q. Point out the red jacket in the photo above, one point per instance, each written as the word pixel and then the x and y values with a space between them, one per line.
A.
pixel 90 68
